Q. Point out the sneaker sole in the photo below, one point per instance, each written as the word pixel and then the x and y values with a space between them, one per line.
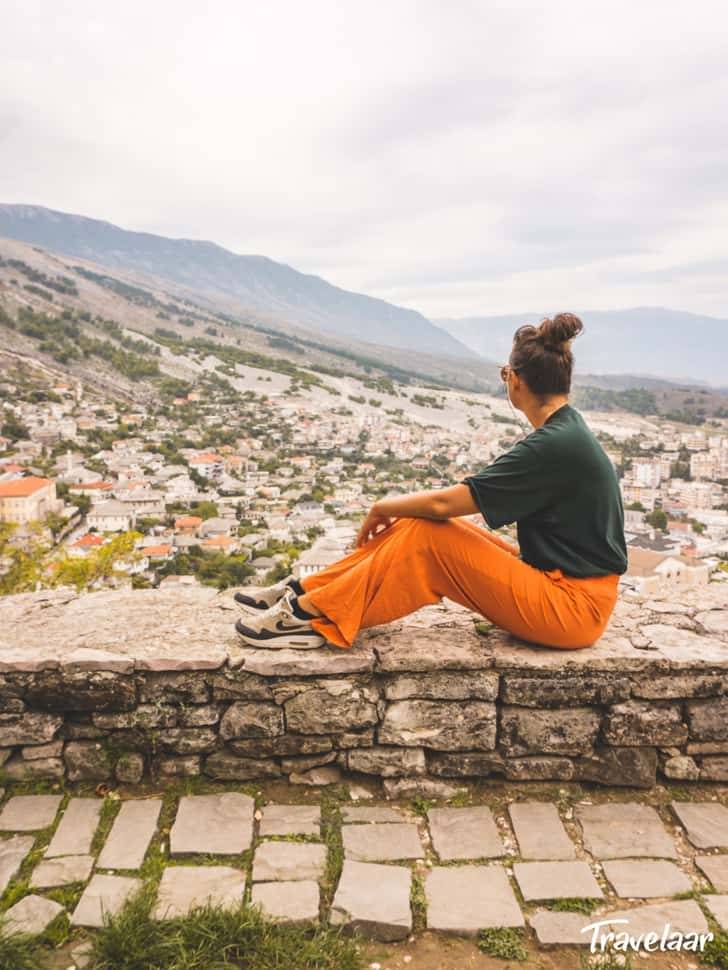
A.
pixel 293 641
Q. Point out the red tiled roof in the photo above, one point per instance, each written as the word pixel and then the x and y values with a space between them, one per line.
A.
pixel 88 541
pixel 23 487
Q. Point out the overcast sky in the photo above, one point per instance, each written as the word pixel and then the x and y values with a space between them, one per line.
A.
pixel 461 158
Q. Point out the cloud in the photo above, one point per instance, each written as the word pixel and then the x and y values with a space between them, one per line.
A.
pixel 468 159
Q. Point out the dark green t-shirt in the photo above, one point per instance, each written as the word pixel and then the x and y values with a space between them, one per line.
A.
pixel 562 490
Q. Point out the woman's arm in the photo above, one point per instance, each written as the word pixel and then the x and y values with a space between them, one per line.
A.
pixel 445 503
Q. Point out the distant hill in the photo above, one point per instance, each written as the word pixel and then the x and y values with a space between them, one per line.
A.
pixel 256 282
pixel 647 341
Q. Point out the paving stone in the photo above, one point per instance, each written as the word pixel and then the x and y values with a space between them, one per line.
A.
pixel 624 831
pixel 374 900
pixel 644 879
pixel 371 813
pixel 464 833
pixel 540 831
pixel 466 899
pixel 718 906
pixel 278 861
pixel 27 813
pixel 103 895
pixel 217 824
pixel 560 928
pixel 61 872
pixel 130 835
pixel 12 853
pixel 715 868
pixel 289 902
pixel 291 820
pixel 556 880
pixel 705 822
pixel 76 829
pixel 684 916
pixel 183 887
pixel 31 915
pixel 382 842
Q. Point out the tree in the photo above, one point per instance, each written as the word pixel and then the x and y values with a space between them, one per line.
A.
pixel 697 526
pixel 657 519
pixel 14 429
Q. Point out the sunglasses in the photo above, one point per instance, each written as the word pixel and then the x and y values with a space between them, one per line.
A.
pixel 505 372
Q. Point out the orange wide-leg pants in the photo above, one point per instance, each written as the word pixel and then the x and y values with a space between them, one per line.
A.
pixel 416 562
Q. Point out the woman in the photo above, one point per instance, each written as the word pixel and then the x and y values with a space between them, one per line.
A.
pixel 558 589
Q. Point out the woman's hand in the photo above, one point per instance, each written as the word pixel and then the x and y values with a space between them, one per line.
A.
pixel 374 524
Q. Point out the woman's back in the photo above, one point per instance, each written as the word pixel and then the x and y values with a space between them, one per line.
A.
pixel 562 490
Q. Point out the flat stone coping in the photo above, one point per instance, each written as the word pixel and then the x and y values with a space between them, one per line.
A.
pixel 192 628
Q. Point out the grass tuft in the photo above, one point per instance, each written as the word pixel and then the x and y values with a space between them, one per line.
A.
pixel 716 951
pixel 18 952
pixel 503 942
pixel 209 938
pixel 584 906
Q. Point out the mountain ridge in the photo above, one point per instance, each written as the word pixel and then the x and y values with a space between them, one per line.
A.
pixel 256 281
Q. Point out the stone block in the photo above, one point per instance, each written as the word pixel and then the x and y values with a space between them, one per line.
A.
pixel 12 853
pixel 214 824
pixel 539 768
pixel 22 769
pixel 706 823
pixel 330 707
pixel 442 725
pixel 387 762
pixel 637 723
pixel 624 830
pixel 715 868
pixel 129 768
pixel 681 767
pixel 251 719
pixel 184 887
pixel 63 691
pixel 288 902
pixel 200 715
pixel 382 842
pixel 326 775
pixel 540 832
pixel 677 685
pixel 183 687
pixel 560 929
pixel 233 685
pixel 631 767
pixel 145 717
pixel 104 895
pixel 563 691
pixel 183 766
pixel 369 813
pixel 229 767
pixel 467 899
pixel 426 787
pixel 566 730
pixel 464 833
pixel 187 741
pixel 443 686
pixel 290 820
pixel 644 879
pixel 683 916
pixel 556 880
pixel 31 915
pixel 28 813
pixel 374 901
pixel 306 762
pixel 708 720
pixel 286 746
pixel 464 764
pixel 75 831
pixel 86 761
pixel 718 906
pixel 288 861
pixel 51 750
pixel 130 835
pixel 28 728
pixel 61 872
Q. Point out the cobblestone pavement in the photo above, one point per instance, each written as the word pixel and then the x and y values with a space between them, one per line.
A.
pixel 384 871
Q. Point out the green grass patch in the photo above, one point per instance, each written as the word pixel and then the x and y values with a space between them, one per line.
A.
pixel 18 952
pixel 331 832
pixel 503 942
pixel 584 906
pixel 209 938
pixel 716 951
pixel 418 903
pixel 421 805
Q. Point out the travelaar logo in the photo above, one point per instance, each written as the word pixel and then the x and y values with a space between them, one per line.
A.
pixel 651 942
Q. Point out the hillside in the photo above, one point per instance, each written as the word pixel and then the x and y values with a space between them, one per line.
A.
pixel 643 342
pixel 254 282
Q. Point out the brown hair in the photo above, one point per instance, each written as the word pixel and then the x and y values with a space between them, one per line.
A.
pixel 542 355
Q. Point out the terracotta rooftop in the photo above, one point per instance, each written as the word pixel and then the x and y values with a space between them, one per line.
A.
pixel 23 487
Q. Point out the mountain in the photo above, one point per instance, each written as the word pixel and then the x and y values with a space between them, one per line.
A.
pixel 254 282
pixel 646 341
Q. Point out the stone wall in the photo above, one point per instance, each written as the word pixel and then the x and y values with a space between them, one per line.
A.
pixel 118 684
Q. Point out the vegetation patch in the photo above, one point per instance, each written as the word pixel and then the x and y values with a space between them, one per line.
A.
pixel 503 942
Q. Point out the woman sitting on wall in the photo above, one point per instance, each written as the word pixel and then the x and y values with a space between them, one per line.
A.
pixel 557 588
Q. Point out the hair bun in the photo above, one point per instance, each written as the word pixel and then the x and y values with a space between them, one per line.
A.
pixel 556 333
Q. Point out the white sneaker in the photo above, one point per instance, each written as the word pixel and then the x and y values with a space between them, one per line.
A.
pixel 265 597
pixel 279 628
